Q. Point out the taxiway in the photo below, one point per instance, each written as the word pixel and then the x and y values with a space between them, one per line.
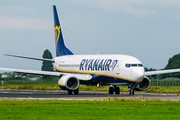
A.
pixel 83 95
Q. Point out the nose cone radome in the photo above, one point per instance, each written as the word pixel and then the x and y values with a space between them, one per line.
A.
pixel 138 74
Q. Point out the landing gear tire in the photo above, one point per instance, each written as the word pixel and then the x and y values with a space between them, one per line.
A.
pixel 111 90
pixel 129 92
pixel 132 91
pixel 117 91
pixel 76 92
pixel 69 92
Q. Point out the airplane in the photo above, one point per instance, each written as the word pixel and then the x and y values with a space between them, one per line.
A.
pixel 99 70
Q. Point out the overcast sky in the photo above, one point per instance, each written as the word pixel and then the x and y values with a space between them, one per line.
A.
pixel 146 29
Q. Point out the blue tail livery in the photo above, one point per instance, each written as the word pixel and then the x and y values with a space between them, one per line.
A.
pixel 61 49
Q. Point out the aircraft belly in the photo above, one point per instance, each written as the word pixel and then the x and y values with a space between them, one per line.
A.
pixel 106 79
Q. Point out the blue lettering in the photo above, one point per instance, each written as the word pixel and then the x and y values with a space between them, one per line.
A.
pixel 114 64
pixel 103 67
pixel 107 64
pixel 87 61
pixel 81 64
pixel 95 66
pixel 100 66
pixel 90 64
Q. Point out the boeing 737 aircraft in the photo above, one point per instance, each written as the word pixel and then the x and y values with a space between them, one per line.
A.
pixel 73 70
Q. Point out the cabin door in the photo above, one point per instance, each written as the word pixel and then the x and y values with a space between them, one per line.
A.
pixel 118 68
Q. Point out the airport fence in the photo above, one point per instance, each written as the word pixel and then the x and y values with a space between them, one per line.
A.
pixel 29 82
pixel 165 84
pixel 20 83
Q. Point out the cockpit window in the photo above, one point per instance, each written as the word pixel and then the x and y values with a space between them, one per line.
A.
pixel 133 65
pixel 128 65
pixel 140 65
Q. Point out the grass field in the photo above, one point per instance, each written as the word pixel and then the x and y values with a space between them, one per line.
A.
pixel 50 83
pixel 70 110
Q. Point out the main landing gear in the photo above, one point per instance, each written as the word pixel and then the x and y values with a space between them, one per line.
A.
pixel 115 89
pixel 76 92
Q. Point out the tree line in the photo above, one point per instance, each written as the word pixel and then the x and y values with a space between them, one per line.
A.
pixel 173 63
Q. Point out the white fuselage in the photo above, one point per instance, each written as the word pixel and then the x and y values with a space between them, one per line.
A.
pixel 123 67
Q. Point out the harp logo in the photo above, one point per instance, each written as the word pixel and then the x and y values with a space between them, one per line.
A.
pixel 57 33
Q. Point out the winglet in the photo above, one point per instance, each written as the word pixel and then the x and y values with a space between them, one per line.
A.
pixel 61 48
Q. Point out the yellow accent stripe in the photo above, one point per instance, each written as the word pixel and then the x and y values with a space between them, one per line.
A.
pixel 87 72
pixel 61 84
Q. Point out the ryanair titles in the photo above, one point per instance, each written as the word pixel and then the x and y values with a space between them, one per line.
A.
pixel 97 64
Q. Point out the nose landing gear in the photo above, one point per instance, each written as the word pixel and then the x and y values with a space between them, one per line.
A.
pixel 131 91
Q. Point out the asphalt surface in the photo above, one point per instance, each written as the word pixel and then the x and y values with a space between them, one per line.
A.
pixel 83 95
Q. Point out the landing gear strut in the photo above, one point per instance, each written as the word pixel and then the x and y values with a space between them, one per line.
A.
pixel 115 89
pixel 111 90
pixel 76 92
pixel 69 92
pixel 131 91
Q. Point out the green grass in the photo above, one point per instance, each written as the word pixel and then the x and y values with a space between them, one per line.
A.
pixel 70 110
pixel 47 81
pixel 31 87
pixel 164 90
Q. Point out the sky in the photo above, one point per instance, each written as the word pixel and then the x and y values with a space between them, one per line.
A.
pixel 146 29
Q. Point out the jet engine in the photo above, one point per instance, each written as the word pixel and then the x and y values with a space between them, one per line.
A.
pixel 144 85
pixel 68 82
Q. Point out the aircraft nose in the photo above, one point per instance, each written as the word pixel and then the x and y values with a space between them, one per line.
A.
pixel 139 74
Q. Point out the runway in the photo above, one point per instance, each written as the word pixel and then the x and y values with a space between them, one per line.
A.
pixel 83 95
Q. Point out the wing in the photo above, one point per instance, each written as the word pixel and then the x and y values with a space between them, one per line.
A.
pixel 33 58
pixel 83 77
pixel 161 72
pixel 36 72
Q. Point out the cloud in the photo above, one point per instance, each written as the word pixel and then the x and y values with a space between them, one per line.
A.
pixel 141 12
pixel 23 16
pixel 138 8
pixel 20 8
pixel 16 22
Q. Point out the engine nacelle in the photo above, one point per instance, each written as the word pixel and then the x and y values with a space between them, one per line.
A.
pixel 68 82
pixel 144 85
